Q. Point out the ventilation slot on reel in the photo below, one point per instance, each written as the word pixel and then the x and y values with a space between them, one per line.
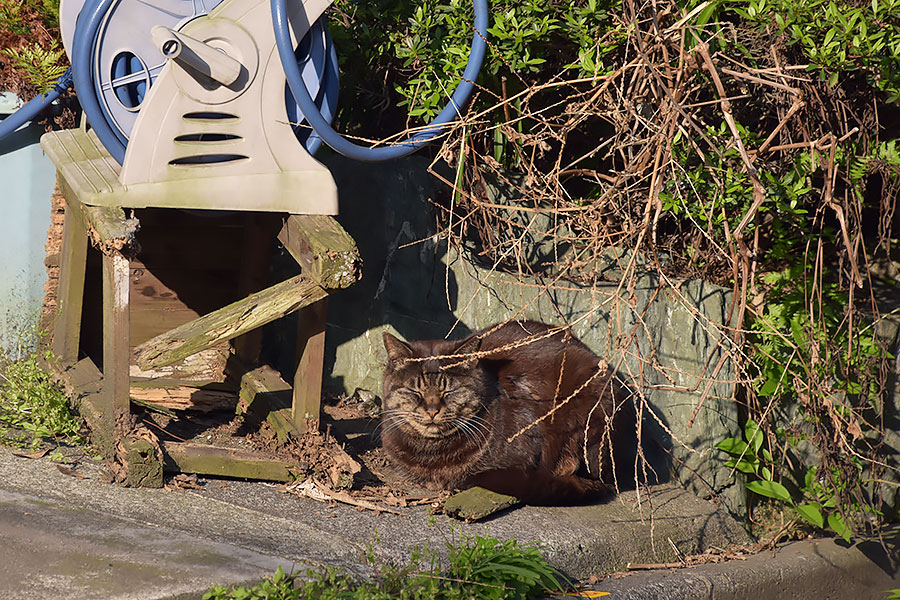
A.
pixel 207 159
pixel 206 116
pixel 208 138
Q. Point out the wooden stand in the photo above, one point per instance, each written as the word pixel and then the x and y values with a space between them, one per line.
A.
pixel 153 345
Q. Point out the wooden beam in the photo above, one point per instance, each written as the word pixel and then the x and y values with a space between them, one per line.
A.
pixel 183 397
pixel 115 333
pixel 326 252
pixel 188 457
pixel 229 322
pixel 307 398
pixel 70 293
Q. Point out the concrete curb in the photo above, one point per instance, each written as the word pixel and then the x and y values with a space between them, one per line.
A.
pixel 816 569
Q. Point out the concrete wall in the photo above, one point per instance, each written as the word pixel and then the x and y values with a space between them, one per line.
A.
pixel 27 179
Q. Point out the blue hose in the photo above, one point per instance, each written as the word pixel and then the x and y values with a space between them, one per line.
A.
pixel 35 106
pixel 86 27
pixel 363 153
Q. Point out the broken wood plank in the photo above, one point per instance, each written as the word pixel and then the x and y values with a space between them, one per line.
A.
pixel 188 457
pixel 183 397
pixel 229 322
pixel 477 503
pixel 326 252
pixel 205 367
pixel 262 390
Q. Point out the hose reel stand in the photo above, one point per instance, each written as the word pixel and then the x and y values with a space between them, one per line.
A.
pixel 215 105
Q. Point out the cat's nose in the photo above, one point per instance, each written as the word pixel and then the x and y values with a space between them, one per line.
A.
pixel 432 411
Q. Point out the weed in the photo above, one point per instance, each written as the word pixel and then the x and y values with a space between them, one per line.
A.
pixel 32 408
pixel 479 569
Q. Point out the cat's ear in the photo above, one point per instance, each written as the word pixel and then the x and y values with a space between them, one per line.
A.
pixel 470 345
pixel 398 351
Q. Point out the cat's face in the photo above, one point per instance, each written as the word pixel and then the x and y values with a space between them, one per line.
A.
pixel 432 398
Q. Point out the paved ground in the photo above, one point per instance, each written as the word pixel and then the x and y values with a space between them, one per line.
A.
pixel 78 538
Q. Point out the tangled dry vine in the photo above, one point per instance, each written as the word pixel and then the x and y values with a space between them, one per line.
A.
pixel 712 148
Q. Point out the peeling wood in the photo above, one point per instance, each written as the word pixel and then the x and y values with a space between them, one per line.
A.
pixel 326 252
pixel 228 322
pixel 107 226
pixel 184 397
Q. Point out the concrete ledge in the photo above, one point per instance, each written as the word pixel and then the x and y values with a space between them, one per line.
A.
pixel 817 569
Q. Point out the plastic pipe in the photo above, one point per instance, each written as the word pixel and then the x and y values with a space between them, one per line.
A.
pixel 35 106
pixel 196 55
pixel 363 153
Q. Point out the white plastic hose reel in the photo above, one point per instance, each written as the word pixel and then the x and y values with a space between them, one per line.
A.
pixel 205 104
pixel 197 92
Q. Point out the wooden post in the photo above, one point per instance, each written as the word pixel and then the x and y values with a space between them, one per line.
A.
pixel 70 294
pixel 254 270
pixel 116 354
pixel 308 377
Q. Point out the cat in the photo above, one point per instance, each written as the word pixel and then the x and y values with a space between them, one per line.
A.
pixel 447 421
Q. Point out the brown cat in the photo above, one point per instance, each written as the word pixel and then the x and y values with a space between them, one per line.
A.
pixel 447 421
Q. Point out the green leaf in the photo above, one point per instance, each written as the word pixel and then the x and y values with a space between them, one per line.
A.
pixel 768 387
pixel 839 526
pixel 732 446
pixel 770 489
pixel 812 513
pixel 753 434
pixel 742 465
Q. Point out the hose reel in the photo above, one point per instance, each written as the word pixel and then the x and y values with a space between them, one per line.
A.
pixel 221 98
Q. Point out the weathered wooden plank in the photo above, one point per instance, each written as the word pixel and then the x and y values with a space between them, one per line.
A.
pixel 115 332
pixel 141 462
pixel 229 322
pixel 183 397
pixel 188 457
pixel 307 398
pixel 95 410
pixel 326 252
pixel 70 294
pixel 205 367
pixel 477 503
